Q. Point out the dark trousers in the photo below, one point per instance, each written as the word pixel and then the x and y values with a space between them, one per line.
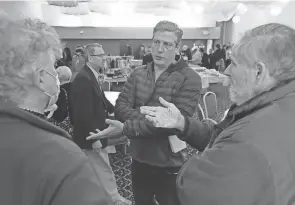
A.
pixel 149 181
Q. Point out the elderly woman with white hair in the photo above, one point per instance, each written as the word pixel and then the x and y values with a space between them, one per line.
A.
pixel 62 114
pixel 248 158
pixel 40 165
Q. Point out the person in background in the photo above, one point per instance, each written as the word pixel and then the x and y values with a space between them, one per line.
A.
pixel 186 53
pixel 67 56
pixel 224 52
pixel 128 51
pixel 211 58
pixel 141 52
pixel 78 61
pixel 220 65
pixel 155 159
pixel 89 110
pixel 196 57
pixel 40 164
pixel 205 58
pixel 62 113
pixel 249 159
pixel 217 55
pixel 147 58
pixel 228 56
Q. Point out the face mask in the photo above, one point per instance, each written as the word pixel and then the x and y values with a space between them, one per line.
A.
pixel 52 98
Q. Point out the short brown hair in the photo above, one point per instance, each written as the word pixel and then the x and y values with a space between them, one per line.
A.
pixel 170 27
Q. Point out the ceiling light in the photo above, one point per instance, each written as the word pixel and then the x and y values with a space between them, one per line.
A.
pixel 242 8
pixel 284 1
pixel 236 19
pixel 198 9
pixel 275 10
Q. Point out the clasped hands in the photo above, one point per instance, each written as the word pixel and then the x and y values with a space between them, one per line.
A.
pixel 167 116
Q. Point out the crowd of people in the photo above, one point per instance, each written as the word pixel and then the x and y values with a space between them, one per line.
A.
pixel 246 159
pixel 218 59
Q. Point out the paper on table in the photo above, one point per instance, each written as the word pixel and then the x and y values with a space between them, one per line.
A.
pixel 98 145
pixel 176 144
pixel 111 149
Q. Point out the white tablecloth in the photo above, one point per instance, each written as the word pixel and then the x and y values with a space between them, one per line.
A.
pixel 136 62
pixel 208 78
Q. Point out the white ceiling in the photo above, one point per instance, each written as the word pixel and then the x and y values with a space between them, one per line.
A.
pixel 141 13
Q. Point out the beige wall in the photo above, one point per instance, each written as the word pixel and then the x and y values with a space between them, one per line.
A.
pixel 130 33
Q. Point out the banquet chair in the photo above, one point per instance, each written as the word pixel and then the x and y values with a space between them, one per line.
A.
pixel 224 115
pixel 210 104
pixel 200 112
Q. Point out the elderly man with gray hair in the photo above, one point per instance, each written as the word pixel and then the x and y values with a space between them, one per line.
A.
pixel 39 164
pixel 248 158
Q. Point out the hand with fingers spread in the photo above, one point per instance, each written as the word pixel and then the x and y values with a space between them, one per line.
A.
pixel 115 130
pixel 167 116
pixel 97 144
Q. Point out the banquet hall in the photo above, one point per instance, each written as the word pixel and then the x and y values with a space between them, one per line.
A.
pixel 124 29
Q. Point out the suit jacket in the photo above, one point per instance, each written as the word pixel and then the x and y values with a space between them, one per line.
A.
pixel 89 108
pixel 147 58
pixel 62 103
pixel 205 60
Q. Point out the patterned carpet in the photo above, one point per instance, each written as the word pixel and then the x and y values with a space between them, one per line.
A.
pixel 121 163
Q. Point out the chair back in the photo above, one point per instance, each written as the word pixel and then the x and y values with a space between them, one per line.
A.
pixel 210 104
pixel 200 112
pixel 224 115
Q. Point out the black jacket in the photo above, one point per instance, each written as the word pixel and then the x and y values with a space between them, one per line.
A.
pixel 147 58
pixel 62 103
pixel 205 60
pixel 39 165
pixel 89 108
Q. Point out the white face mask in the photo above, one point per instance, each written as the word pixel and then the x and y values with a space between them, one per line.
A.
pixel 52 97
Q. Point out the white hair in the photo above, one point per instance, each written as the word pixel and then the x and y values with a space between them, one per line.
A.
pixel 25 46
pixel 64 74
pixel 272 44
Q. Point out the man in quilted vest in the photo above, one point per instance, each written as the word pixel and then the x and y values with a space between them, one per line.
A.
pixel 156 156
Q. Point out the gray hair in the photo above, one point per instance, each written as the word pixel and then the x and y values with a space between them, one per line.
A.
pixel 90 50
pixel 26 45
pixel 64 74
pixel 273 44
pixel 170 27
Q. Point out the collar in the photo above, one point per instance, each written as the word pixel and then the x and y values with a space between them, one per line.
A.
pixel 93 71
pixel 264 99
pixel 280 91
pixel 34 120
pixel 178 65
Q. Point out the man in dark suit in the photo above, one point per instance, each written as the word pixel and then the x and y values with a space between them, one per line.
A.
pixel 147 58
pixel 205 58
pixel 217 55
pixel 90 108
